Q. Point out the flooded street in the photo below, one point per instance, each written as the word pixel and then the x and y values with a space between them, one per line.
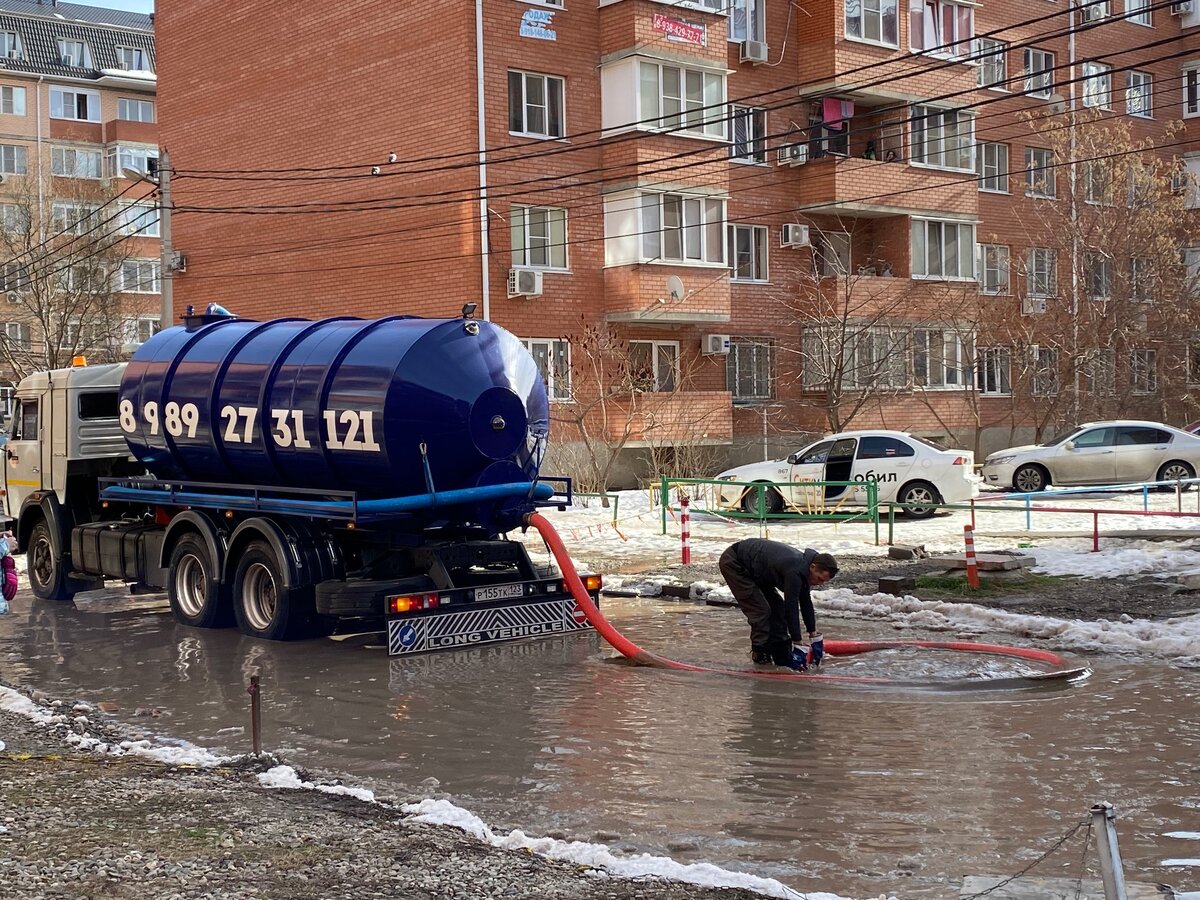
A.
pixel 822 787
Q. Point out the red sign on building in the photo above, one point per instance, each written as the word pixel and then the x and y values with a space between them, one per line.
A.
pixel 693 34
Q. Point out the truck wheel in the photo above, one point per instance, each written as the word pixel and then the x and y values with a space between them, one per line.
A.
pixel 197 599
pixel 265 607
pixel 46 575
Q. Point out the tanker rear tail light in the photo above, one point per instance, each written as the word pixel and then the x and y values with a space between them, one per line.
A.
pixel 412 603
pixel 591 583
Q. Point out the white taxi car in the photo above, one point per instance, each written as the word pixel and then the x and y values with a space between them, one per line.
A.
pixel 909 470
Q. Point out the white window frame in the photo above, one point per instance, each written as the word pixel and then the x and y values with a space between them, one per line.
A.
pixel 1141 279
pixel 1039 73
pixel 124 156
pixel 931 37
pixel 660 107
pixel 924 230
pixel 995 269
pixel 65 162
pixel 869 357
pixel 747 134
pixel 701 225
pixel 14 159
pixel 553 359
pixel 993 372
pixel 747 20
pixel 1143 372
pixel 1097 85
pixel 14 278
pixel 535 243
pixel 146 327
pixel 1044 364
pixel 554 94
pixel 128 56
pixel 14 218
pixel 1045 186
pixel 1139 94
pixel 132 213
pixel 12 100
pixel 1041 273
pixel 991 56
pixel 933 145
pixel 1098 373
pixel 1095 174
pixel 77 52
pixel 865 16
pixel 941 359
pixel 1098 280
pixel 19 334
pixel 992 165
pixel 751 363
pixel 832 253
pixel 143 110
pixel 1191 91
pixel 663 374
pixel 1138 12
pixel 64 104
pixel 10 45
pixel 146 276
pixel 757 260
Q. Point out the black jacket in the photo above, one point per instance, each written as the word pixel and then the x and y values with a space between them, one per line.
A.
pixel 783 568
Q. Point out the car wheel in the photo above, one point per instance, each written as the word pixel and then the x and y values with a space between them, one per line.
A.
pixel 1175 470
pixel 919 500
pixel 1030 479
pixel 772 501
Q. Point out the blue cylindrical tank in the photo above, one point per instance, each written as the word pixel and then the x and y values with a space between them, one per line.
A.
pixel 338 404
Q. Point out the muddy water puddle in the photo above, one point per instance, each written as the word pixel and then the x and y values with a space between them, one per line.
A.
pixel 858 792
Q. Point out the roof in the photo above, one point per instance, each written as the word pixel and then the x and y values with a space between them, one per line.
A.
pixel 77 12
pixel 39 26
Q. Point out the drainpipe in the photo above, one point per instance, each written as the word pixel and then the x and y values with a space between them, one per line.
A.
pixel 1072 174
pixel 484 257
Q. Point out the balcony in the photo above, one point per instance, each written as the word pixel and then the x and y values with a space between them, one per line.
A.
pixel 640 293
pixel 678 417
pixel 121 130
pixel 671 30
pixel 866 188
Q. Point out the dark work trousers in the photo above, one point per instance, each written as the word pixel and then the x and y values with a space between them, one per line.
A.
pixel 762 608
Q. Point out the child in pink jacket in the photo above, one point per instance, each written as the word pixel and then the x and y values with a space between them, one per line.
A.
pixel 8 570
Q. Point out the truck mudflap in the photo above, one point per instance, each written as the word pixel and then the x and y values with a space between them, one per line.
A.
pixel 454 627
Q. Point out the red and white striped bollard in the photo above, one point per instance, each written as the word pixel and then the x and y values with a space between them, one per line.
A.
pixel 685 526
pixel 972 565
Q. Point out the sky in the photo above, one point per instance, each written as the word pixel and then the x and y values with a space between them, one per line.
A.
pixel 137 6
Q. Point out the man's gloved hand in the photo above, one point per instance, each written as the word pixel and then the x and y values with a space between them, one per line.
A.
pixel 816 650
pixel 799 658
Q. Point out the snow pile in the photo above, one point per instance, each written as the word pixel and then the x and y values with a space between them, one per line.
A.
pixel 1126 558
pixel 286 777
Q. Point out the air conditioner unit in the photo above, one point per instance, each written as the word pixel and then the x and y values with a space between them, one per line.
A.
pixel 1094 12
pixel 1178 9
pixel 793 154
pixel 524 283
pixel 1179 181
pixel 1033 306
pixel 715 345
pixel 754 52
pixel 12 297
pixel 792 235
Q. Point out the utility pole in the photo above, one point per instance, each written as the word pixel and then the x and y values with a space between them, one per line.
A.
pixel 167 257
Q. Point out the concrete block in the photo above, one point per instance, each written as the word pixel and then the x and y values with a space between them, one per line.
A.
pixel 904 551
pixel 897 585
pixel 991 562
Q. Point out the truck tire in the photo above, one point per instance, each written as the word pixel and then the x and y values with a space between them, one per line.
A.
pixel 47 577
pixel 266 607
pixel 196 597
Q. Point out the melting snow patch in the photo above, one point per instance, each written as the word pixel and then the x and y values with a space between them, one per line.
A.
pixel 1132 558
pixel 286 777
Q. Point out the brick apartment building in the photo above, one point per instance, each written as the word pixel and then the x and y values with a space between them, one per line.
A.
pixel 79 244
pixel 791 215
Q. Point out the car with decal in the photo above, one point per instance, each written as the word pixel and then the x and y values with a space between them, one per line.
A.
pixel 912 471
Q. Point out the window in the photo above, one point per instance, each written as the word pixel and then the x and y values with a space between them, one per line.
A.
pixel 991 162
pixel 1039 72
pixel 71 218
pixel 1039 173
pixel 992 58
pixel 140 276
pixel 748 252
pixel 993 267
pixel 535 105
pixel 140 159
pixel 74 104
pixel 1099 373
pixel 1098 276
pixel 654 364
pixel 831 252
pixel 131 58
pixel 1097 182
pixel 20 337
pixel 14 278
pixel 70 162
pixel 855 358
pixel 884 448
pixel 941 358
pixel 539 237
pixel 10 45
pixel 74 53
pixel 98 405
pixel 12 100
pixel 1191 91
pixel 131 110
pixel 748 134
pixel 1141 279
pixel 1096 437
pixel 942 138
pixel 1138 11
pixel 941 27
pixel 1193 364
pixel 872 20
pixel 147 328
pixel 748 370
pixel 1045 371
pixel 25 420
pixel 1143 374
pixel 1097 85
pixel 12 159
pixel 993 375
pixel 14 217
pixel 747 20
pixel 140 219
pixel 553 358
pixel 1134 434
pixel 1041 272
pixel 1139 88
pixel 681 99
pixel 681 228
pixel 943 250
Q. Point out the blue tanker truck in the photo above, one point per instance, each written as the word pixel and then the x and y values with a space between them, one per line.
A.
pixel 285 475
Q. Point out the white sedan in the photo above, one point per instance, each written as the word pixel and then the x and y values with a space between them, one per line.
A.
pixel 909 470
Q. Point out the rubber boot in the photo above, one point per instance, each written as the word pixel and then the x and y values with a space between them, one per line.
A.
pixel 761 656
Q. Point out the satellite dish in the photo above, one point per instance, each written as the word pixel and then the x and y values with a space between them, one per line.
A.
pixel 675 288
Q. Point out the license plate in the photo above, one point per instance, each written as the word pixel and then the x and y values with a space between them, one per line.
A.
pixel 500 592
